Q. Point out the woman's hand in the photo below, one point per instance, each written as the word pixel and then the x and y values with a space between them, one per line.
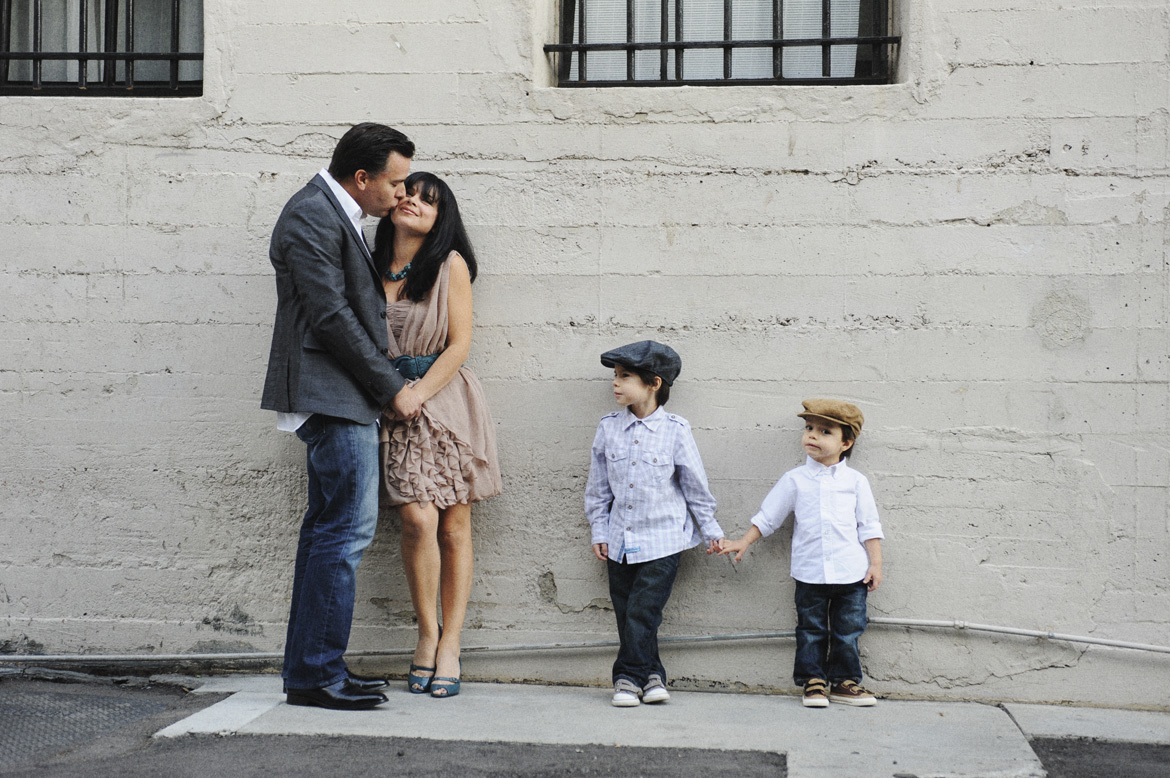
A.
pixel 715 546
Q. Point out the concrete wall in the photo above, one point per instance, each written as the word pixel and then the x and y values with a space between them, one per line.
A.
pixel 976 255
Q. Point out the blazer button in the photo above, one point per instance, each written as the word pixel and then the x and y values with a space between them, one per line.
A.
pixel 382 314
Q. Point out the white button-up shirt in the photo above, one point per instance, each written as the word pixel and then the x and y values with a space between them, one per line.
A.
pixel 835 514
pixel 647 494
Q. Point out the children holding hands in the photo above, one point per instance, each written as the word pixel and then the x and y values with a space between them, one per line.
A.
pixel 647 501
pixel 836 553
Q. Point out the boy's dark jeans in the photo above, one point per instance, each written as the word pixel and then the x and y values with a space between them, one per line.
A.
pixel 829 620
pixel 639 592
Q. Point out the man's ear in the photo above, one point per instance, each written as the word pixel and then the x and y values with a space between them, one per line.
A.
pixel 361 179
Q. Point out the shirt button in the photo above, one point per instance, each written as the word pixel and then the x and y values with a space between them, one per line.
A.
pixel 631 507
pixel 629 529
pixel 635 442
pixel 631 486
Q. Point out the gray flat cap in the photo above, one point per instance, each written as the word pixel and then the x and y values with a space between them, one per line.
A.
pixel 650 355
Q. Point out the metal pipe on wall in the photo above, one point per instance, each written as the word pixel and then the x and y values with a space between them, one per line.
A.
pixel 961 626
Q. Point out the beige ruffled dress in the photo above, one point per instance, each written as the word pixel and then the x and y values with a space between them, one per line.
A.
pixel 446 454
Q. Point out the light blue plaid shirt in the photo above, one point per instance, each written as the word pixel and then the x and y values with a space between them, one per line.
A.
pixel 647 495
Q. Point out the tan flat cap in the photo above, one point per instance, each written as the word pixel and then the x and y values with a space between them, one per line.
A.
pixel 845 414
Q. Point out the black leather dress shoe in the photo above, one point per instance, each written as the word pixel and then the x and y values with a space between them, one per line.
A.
pixel 340 696
pixel 366 683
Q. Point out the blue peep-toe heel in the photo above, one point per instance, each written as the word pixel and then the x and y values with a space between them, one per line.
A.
pixel 449 687
pixel 419 684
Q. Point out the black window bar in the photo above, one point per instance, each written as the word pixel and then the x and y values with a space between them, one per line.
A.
pixel 872 48
pixel 118 33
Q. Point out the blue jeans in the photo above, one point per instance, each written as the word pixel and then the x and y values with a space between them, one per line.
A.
pixel 342 463
pixel 829 620
pixel 639 592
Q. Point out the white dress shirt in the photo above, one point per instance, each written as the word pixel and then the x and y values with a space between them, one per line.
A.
pixel 647 494
pixel 291 422
pixel 835 514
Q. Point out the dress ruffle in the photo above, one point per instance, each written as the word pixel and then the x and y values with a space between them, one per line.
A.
pixel 431 465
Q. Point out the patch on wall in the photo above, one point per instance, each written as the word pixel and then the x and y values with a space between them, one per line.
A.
pixel 1062 319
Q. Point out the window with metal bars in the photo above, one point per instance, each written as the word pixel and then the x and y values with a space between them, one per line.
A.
pixel 723 42
pixel 132 48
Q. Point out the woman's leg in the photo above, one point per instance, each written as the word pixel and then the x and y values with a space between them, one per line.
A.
pixel 455 587
pixel 420 557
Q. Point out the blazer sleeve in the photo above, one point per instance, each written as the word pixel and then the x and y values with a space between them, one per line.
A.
pixel 313 244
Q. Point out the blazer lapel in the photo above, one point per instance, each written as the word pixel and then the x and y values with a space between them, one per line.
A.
pixel 324 187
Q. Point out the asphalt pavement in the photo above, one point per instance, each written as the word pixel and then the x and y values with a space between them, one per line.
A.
pixel 240 725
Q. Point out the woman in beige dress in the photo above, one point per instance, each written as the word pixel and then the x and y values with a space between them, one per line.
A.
pixel 439 462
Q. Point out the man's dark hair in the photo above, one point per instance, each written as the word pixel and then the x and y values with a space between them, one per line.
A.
pixel 366 147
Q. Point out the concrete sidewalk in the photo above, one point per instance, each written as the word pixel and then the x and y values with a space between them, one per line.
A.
pixel 891 739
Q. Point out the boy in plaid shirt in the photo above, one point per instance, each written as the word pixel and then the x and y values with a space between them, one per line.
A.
pixel 647 501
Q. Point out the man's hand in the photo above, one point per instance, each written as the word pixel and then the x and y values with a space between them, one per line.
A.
pixel 407 403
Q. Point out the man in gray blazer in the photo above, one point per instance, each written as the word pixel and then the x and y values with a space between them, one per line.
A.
pixel 329 377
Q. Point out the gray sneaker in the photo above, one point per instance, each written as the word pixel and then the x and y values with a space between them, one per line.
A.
pixel 625 694
pixel 655 690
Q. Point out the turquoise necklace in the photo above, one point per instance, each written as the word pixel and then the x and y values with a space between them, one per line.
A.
pixel 401 274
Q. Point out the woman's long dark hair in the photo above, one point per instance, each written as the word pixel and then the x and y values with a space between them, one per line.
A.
pixel 447 235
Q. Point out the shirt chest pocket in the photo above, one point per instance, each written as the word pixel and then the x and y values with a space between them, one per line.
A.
pixel 657 467
pixel 617 462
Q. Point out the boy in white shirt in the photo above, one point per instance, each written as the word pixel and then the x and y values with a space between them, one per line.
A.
pixel 836 553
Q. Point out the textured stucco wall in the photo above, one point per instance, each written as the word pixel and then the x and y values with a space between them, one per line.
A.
pixel 975 255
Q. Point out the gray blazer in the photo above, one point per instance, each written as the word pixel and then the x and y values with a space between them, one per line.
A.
pixel 329 345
